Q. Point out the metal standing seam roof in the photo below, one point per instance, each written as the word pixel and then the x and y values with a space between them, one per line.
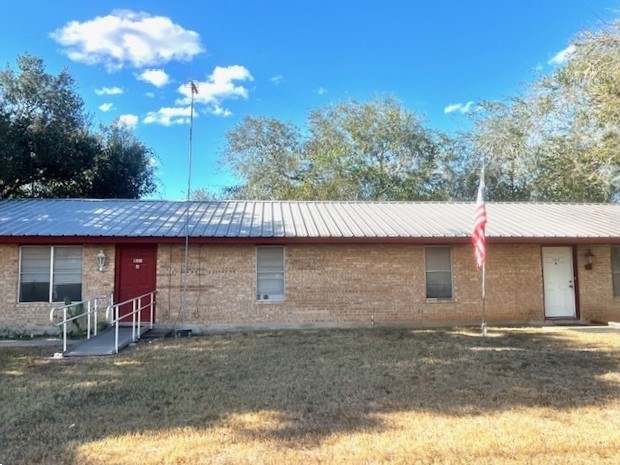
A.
pixel 291 219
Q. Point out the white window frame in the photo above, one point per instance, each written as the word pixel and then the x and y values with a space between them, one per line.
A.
pixel 276 299
pixel 615 275
pixel 426 271
pixel 51 271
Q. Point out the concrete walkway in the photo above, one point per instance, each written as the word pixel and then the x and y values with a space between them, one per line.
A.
pixel 102 344
pixel 34 342
pixel 586 329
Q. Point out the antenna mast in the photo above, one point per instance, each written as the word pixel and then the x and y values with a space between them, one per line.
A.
pixel 184 298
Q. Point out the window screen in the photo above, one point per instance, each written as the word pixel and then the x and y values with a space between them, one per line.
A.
pixel 35 274
pixel 438 262
pixel 50 274
pixel 67 283
pixel 270 273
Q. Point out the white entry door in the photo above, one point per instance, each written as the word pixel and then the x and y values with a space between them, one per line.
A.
pixel 558 282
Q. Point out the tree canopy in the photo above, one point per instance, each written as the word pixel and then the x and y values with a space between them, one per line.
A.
pixel 557 141
pixel 373 150
pixel 560 140
pixel 48 148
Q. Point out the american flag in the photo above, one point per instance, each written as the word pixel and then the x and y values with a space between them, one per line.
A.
pixel 480 222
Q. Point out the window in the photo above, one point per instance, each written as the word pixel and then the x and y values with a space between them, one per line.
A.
pixel 270 273
pixel 50 274
pixel 438 265
pixel 615 270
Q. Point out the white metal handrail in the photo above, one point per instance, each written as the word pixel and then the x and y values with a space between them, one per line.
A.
pixel 136 309
pixel 92 308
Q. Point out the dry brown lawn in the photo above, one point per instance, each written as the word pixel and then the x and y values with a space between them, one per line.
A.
pixel 528 396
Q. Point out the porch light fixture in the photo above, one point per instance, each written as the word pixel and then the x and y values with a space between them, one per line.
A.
pixel 589 256
pixel 101 260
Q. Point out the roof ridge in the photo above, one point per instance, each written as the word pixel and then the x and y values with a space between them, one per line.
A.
pixel 356 202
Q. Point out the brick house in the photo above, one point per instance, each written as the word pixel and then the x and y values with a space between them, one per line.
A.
pixel 303 263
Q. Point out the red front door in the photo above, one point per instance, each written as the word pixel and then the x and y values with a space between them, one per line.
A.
pixel 136 275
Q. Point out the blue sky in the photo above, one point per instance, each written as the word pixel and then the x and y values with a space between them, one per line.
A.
pixel 280 59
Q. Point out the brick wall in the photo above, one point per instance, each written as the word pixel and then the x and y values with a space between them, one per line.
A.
pixel 595 286
pixel 348 283
pixel 343 283
pixel 25 317
pixel 95 282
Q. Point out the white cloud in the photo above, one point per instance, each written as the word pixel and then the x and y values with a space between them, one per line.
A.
pixel 459 107
pixel 157 77
pixel 167 116
pixel 106 107
pixel 562 55
pixel 321 90
pixel 218 87
pixel 128 120
pixel 219 111
pixel 150 94
pixel 109 91
pixel 277 79
pixel 127 38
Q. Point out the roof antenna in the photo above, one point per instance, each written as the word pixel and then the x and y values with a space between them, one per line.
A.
pixel 184 298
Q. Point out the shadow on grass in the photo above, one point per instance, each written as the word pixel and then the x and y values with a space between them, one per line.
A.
pixel 312 383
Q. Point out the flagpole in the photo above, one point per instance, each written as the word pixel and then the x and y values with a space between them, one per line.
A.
pixel 479 241
pixel 483 327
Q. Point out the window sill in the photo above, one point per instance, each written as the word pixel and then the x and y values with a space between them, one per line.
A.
pixel 440 300
pixel 270 301
pixel 42 302
pixel 58 303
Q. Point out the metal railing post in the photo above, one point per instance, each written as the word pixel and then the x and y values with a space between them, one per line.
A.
pixel 133 320
pixel 151 309
pixel 64 330
pixel 139 316
pixel 116 330
pixel 96 311
pixel 88 320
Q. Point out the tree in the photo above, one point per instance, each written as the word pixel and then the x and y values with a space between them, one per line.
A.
pixel 501 135
pixel 375 150
pixel 584 98
pixel 351 151
pixel 48 147
pixel 559 140
pixel 203 194
pixel 269 156
pixel 123 166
